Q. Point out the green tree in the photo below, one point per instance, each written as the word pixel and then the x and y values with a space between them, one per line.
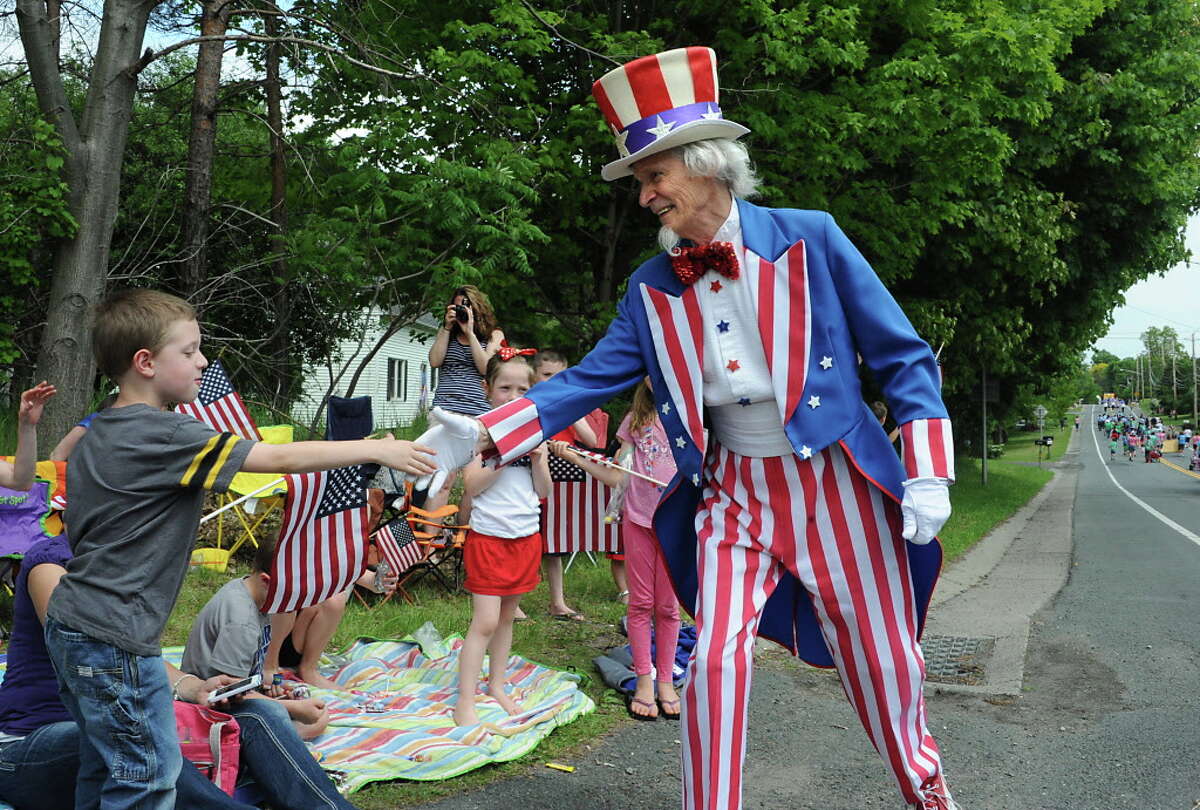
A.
pixel 1007 169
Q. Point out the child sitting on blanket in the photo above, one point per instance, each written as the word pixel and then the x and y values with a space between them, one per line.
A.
pixel 651 596
pixel 503 548
pixel 230 637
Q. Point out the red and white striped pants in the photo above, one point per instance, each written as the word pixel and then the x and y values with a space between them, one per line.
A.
pixel 824 522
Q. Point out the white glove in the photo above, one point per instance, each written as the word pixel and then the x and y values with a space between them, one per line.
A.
pixel 925 508
pixel 453 436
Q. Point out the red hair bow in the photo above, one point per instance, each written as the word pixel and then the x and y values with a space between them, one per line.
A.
pixel 690 263
pixel 507 352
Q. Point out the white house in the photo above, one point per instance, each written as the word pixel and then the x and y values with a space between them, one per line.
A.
pixel 398 378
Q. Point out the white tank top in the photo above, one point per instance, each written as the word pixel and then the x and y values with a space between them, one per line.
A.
pixel 509 507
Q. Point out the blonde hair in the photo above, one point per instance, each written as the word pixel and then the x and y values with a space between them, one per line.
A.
pixel 641 412
pixel 485 316
pixel 130 320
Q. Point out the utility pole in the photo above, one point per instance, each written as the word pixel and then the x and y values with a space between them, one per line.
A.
pixel 983 402
pixel 1195 420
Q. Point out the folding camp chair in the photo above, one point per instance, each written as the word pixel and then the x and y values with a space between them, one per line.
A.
pixel 443 542
pixel 267 489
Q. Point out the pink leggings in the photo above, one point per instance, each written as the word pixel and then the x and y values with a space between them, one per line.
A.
pixel 650 596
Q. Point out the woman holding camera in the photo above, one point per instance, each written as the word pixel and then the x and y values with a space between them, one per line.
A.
pixel 465 342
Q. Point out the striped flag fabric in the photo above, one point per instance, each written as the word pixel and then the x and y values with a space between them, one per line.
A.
pixel 322 546
pixel 219 406
pixel 573 516
pixel 398 545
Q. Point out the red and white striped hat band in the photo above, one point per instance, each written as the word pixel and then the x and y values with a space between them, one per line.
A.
pixel 658 102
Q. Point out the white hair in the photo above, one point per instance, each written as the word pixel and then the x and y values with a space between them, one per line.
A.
pixel 722 159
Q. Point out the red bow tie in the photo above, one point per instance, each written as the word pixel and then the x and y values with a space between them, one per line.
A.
pixel 690 263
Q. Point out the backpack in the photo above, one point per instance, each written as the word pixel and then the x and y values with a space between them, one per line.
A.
pixel 209 739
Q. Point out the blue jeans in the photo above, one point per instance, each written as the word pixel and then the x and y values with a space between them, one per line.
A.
pixel 38 771
pixel 279 761
pixel 128 748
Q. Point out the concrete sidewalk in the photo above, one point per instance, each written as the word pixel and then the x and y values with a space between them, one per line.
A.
pixel 992 592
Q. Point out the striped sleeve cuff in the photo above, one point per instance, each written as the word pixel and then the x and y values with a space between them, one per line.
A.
pixel 928 449
pixel 515 428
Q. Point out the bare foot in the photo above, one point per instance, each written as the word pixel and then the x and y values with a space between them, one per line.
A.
pixel 520 615
pixel 314 678
pixel 507 703
pixel 464 713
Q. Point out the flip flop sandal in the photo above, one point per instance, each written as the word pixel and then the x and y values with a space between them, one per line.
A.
pixel 669 715
pixel 646 704
pixel 568 617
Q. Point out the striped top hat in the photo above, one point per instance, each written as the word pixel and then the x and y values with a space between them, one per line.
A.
pixel 659 102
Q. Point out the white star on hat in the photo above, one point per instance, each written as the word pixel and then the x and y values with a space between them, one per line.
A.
pixel 661 128
pixel 711 114
pixel 622 149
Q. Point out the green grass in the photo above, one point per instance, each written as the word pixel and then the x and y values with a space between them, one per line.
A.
pixel 978 509
pixel 1020 445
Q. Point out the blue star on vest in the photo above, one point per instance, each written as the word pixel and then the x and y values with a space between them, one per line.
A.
pixel 723 327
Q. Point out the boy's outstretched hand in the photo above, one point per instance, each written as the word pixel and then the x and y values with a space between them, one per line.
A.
pixel 408 457
pixel 34 401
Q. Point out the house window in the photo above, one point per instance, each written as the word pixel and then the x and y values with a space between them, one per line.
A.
pixel 397 379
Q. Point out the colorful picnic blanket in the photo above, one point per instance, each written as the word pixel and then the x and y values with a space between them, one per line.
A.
pixel 396 722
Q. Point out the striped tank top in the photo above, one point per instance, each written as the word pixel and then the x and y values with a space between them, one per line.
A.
pixel 460 385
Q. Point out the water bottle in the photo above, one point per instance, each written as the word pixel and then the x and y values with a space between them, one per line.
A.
pixel 381 573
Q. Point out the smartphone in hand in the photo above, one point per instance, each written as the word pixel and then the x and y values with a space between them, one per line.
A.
pixel 229 690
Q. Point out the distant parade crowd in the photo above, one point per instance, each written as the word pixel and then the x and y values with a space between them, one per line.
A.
pixel 1135 435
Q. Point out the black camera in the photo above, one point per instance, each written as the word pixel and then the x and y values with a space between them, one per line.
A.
pixel 460 311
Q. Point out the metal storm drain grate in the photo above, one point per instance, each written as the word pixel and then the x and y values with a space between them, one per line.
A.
pixel 954 659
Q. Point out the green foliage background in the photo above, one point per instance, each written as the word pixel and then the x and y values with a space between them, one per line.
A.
pixel 1009 168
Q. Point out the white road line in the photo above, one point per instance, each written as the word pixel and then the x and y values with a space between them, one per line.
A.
pixel 1195 538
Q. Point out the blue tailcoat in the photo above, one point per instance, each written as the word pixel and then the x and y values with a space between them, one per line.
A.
pixel 846 313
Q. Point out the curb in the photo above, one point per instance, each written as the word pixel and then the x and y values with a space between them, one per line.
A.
pixel 993 591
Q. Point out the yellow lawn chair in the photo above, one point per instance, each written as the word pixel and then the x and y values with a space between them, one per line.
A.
pixel 251 513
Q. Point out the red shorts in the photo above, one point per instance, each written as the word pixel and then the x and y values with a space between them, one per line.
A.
pixel 501 566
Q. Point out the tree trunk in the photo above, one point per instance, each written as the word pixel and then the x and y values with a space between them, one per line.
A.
pixel 95 151
pixel 280 344
pixel 197 194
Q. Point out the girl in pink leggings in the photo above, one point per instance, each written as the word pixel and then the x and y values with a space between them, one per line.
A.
pixel 651 596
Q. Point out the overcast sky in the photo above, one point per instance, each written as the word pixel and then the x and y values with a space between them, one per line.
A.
pixel 1171 300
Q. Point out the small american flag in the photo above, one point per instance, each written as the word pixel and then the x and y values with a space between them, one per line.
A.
pixel 219 406
pixel 574 513
pixel 322 539
pixel 398 545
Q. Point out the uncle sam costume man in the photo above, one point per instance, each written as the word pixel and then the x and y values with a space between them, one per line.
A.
pixel 785 517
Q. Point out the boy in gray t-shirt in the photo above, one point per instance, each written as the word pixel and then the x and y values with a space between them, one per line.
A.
pixel 136 484
pixel 230 637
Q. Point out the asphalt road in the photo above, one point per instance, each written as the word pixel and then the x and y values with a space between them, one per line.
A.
pixel 1107 716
